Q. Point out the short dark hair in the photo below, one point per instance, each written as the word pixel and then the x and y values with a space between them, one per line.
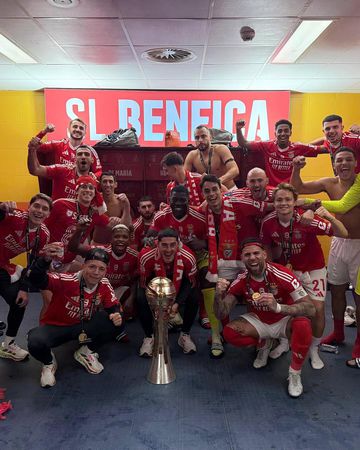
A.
pixel 146 198
pixel 344 149
pixel 88 147
pixel 203 126
pixel 167 232
pixel 77 119
pixel 44 197
pixel 283 122
pixel 107 174
pixel 331 118
pixel 180 189
pixel 172 159
pixel 211 178
pixel 97 254
pixel 285 187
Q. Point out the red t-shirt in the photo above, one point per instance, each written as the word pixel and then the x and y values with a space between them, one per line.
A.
pixel 148 260
pixel 278 162
pixel 64 180
pixel 13 237
pixel 191 225
pixel 306 252
pixel 194 200
pixel 279 281
pixel 63 219
pixel 64 308
pixel 122 270
pixel 65 153
pixel 140 230
pixel 348 140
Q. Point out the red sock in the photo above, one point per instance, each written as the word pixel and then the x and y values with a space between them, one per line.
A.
pixel 356 349
pixel 301 337
pixel 337 336
pixel 238 340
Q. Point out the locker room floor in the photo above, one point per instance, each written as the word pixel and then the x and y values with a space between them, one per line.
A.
pixel 213 404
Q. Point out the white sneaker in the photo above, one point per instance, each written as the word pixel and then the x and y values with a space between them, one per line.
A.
pixel 146 349
pixel 187 344
pixel 295 387
pixel 13 351
pixel 263 354
pixel 315 360
pixel 280 349
pixel 89 360
pixel 350 316
pixel 48 371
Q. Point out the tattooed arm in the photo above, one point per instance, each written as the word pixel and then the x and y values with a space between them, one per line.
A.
pixel 302 307
pixel 223 303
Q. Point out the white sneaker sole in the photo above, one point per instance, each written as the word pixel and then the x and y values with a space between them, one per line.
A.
pixel 80 359
pixel 7 355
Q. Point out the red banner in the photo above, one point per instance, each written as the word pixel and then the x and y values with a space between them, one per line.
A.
pixel 154 112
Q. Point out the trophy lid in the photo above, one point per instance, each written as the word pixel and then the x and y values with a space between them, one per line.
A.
pixel 160 287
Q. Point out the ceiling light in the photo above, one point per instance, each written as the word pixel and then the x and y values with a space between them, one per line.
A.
pixel 11 51
pixel 64 3
pixel 305 34
pixel 168 55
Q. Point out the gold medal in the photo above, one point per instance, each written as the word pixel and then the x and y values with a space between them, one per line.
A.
pixel 83 337
pixel 256 296
pixel 289 266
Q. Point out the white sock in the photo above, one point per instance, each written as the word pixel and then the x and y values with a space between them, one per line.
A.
pixel 291 370
pixel 85 349
pixel 8 340
pixel 315 342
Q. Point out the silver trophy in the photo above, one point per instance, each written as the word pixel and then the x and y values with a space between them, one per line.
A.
pixel 161 294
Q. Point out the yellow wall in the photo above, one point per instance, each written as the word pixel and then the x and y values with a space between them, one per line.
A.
pixel 22 115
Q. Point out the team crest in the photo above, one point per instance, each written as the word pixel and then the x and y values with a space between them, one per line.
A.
pixel 228 250
pixel 69 213
pixel 291 155
pixel 126 266
pixel 298 234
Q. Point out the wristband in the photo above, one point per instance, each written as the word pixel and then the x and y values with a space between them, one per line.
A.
pixel 278 308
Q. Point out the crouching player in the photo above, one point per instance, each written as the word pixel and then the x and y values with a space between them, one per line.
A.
pixel 278 307
pixel 83 307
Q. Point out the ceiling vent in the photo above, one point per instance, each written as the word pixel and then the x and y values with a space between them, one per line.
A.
pixel 168 55
pixel 64 3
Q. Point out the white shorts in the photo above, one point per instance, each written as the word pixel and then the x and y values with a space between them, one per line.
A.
pixel 314 283
pixel 230 273
pixel 275 330
pixel 344 261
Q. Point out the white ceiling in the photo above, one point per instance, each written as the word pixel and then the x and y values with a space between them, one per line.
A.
pixel 99 43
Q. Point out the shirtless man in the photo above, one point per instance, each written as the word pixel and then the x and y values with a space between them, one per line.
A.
pixel 344 257
pixel 117 206
pixel 212 159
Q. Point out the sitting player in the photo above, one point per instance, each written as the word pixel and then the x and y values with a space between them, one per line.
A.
pixel 83 307
pixel 278 307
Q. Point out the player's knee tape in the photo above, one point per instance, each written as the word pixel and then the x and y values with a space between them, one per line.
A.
pixel 238 340
pixel 301 337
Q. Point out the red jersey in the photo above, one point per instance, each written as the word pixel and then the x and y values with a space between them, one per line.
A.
pixel 192 184
pixel 122 270
pixel 64 180
pixel 278 281
pixel 191 225
pixel 63 218
pixel 306 253
pixel 13 230
pixel 278 162
pixel 148 260
pixel 348 140
pixel 64 308
pixel 65 153
pixel 140 230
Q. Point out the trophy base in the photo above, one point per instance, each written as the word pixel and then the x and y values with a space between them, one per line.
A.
pixel 161 371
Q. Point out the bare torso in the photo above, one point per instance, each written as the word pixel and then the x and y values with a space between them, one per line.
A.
pixel 102 235
pixel 351 219
pixel 215 166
